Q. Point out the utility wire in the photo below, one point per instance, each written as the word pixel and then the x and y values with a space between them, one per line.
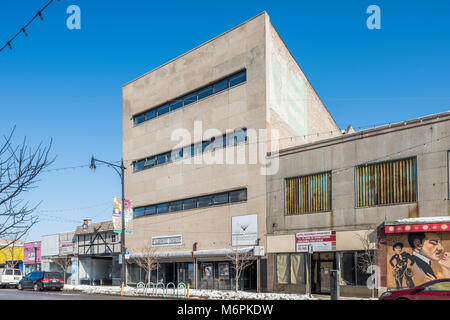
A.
pixel 23 29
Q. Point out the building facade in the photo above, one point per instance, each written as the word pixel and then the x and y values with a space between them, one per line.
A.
pixel 380 194
pixel 194 130
pixel 97 249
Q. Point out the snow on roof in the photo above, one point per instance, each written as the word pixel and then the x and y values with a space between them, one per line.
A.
pixel 422 220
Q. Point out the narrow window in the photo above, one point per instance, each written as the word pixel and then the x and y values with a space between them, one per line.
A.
pixel 237 79
pixel 190 204
pixel 139 119
pixel 176 206
pixel 206 92
pixel 221 198
pixel 238 196
pixel 139 212
pixel 150 114
pixel 162 110
pixel 190 98
pixel 205 201
pixel 150 210
pixel 176 105
pixel 163 208
pixel 220 86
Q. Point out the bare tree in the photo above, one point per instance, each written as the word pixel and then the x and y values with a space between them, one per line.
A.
pixel 368 259
pixel 20 167
pixel 63 262
pixel 148 259
pixel 240 260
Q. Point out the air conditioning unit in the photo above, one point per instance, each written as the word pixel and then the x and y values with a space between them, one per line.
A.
pixel 258 251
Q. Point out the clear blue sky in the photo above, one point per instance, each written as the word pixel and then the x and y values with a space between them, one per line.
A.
pixel 66 84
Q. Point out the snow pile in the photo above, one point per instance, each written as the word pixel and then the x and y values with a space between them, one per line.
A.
pixel 205 294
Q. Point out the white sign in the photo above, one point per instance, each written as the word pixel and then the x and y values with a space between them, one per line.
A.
pixel 127 255
pixel 67 247
pixel 244 230
pixel 317 241
pixel 161 241
pixel 258 251
pixel 50 245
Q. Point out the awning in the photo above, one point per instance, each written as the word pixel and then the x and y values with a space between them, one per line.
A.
pixel 424 224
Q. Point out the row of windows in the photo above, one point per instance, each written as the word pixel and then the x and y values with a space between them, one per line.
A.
pixel 193 203
pixel 200 94
pixel 231 139
pixel 389 182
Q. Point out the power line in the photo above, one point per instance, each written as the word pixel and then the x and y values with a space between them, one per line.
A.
pixel 23 29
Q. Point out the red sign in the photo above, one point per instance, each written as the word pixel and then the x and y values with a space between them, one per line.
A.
pixel 427 227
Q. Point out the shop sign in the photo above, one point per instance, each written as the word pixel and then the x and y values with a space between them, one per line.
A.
pixel 67 247
pixel 318 241
pixel 244 230
pixel 424 227
pixel 174 240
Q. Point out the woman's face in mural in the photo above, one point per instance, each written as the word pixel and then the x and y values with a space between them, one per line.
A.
pixel 445 261
pixel 432 247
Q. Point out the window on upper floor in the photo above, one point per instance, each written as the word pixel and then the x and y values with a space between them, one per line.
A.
pixel 308 194
pixel 184 100
pixel 389 182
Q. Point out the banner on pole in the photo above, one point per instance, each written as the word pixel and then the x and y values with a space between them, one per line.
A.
pixel 117 216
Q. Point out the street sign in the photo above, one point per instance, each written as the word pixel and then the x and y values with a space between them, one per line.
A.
pixel 120 259
pixel 310 249
pixel 319 240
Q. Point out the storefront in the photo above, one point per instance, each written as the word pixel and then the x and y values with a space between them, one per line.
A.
pixel 213 272
pixel 415 251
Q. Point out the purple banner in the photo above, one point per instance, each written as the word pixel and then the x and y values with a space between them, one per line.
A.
pixel 29 252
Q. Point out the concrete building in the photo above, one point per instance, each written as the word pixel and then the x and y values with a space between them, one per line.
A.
pixel 194 214
pixel 382 191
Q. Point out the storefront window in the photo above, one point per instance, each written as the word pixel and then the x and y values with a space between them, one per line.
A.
pixel 282 268
pixel 298 269
pixel 353 268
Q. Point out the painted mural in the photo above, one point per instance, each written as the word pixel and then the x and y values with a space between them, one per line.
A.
pixel 417 257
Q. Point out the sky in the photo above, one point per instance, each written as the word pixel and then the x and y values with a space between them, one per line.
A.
pixel 66 85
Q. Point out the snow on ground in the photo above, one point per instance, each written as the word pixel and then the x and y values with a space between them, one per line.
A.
pixel 205 294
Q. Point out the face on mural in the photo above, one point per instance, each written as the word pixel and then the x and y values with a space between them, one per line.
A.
pixel 445 261
pixel 398 249
pixel 431 246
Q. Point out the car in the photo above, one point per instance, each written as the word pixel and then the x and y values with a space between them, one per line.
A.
pixel 10 277
pixel 42 280
pixel 432 290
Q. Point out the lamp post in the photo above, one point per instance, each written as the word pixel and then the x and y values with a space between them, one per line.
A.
pixel 35 255
pixel 122 239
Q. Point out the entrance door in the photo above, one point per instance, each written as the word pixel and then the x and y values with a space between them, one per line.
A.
pixel 322 264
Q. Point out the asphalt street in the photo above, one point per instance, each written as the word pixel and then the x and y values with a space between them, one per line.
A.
pixel 14 294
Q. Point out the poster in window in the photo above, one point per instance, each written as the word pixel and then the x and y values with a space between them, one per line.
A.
pixel 207 271
pixel 191 271
pixel 224 271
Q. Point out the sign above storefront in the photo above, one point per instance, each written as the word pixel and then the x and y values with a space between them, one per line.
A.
pixel 320 241
pixel 423 227
pixel 175 240
pixel 244 230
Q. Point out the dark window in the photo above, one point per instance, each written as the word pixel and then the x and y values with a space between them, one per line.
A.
pixel 162 110
pixel 176 154
pixel 163 208
pixel 239 195
pixel 176 206
pixel 206 92
pixel 190 98
pixel 150 162
pixel 206 146
pixel 17 272
pixel 163 158
pixel 150 210
pixel 8 272
pixel 53 275
pixel 139 165
pixel 205 201
pixel 221 198
pixel 150 114
pixel 348 273
pixel 139 212
pixel 239 78
pixel 220 86
pixel 176 105
pixel 139 119
pixel 190 204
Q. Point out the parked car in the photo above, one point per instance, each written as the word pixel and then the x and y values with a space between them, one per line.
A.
pixel 42 280
pixel 433 290
pixel 10 277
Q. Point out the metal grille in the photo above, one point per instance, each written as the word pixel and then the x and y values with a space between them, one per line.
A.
pixel 308 194
pixel 384 183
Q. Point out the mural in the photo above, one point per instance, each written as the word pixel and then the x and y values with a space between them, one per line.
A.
pixel 417 257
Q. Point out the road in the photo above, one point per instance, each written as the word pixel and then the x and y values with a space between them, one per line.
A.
pixel 14 294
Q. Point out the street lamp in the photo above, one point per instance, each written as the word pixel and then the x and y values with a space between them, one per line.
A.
pixel 35 255
pixel 122 239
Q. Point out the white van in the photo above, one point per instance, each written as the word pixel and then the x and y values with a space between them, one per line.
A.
pixel 10 277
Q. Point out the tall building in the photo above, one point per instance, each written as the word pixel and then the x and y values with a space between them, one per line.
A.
pixel 196 131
